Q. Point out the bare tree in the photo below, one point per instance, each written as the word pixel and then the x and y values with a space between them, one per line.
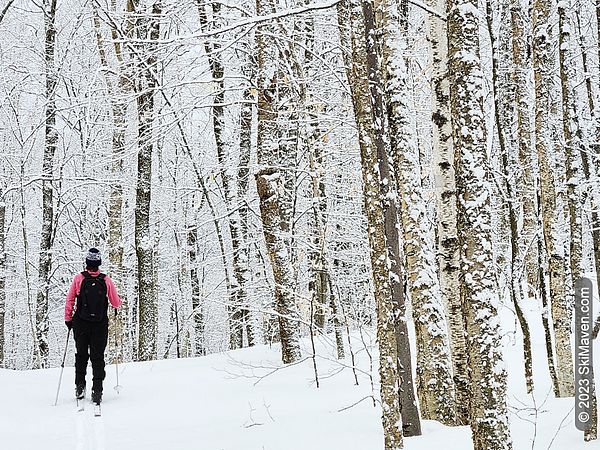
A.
pixel 435 386
pixel 271 186
pixel 51 139
pixel 148 31
pixel 575 150
pixel 443 153
pixel 488 410
pixel 353 41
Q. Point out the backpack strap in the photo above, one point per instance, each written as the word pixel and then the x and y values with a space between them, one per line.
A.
pixel 101 276
pixel 86 274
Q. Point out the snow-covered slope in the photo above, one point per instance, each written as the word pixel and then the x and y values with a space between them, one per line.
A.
pixel 220 402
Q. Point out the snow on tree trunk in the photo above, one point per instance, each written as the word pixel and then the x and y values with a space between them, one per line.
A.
pixel 271 186
pixel 243 171
pixel 509 163
pixel 352 41
pixel 42 321
pixel 525 179
pixel 149 33
pixel 314 141
pixel 237 294
pixel 435 387
pixel 411 422
pixel 591 163
pixel 575 150
pixel 544 80
pixel 488 409
pixel 197 307
pixel 443 152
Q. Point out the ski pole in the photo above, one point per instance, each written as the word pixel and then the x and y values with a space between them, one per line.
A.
pixel 117 387
pixel 62 367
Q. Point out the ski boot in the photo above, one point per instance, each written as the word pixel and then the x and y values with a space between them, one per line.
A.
pixel 96 397
pixel 79 391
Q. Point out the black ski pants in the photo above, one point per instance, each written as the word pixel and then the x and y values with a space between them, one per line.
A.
pixel 90 341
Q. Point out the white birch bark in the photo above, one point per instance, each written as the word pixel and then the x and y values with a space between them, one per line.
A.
pixel 411 422
pixel 435 387
pixel 575 150
pixel 118 85
pixel 510 167
pixel 488 409
pixel 448 260
pixel 525 178
pixel 543 65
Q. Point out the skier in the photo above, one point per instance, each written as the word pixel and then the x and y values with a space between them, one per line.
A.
pixel 88 317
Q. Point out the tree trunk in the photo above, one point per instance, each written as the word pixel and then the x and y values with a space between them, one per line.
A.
pixel 42 320
pixel 411 424
pixel 237 294
pixel 197 313
pixel 434 370
pixel 352 37
pixel 271 185
pixel 576 193
pixel 243 178
pixel 149 29
pixel 118 87
pixel 509 167
pixel 443 152
pixel 543 66
pixel 525 177
pixel 488 410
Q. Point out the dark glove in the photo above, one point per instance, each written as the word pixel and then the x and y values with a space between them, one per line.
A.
pixel 69 324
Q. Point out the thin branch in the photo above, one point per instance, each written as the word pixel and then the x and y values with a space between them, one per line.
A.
pixel 5 10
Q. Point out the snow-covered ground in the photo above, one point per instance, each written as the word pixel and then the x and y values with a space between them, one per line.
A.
pixel 225 402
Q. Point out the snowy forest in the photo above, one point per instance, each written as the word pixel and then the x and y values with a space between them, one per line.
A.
pixel 406 192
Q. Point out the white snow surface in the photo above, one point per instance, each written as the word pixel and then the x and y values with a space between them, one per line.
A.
pixel 220 402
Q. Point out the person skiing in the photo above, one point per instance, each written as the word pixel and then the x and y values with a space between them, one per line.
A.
pixel 86 313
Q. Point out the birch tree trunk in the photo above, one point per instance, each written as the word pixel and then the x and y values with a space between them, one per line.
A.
pixel 271 184
pixel 435 387
pixel 575 156
pixel 509 167
pixel 525 180
pixel 544 80
pixel 572 136
pixel 42 320
pixel 149 32
pixel 590 159
pixel 488 410
pixel 319 282
pixel 243 178
pixel 443 153
pixel 411 423
pixel 349 12
pixel 118 86
pixel 197 312
pixel 237 294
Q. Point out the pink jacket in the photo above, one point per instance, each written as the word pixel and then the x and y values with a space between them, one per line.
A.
pixel 113 296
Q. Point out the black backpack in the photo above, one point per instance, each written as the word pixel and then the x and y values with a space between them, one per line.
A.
pixel 92 302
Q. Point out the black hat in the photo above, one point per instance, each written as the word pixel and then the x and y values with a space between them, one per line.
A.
pixel 93 258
